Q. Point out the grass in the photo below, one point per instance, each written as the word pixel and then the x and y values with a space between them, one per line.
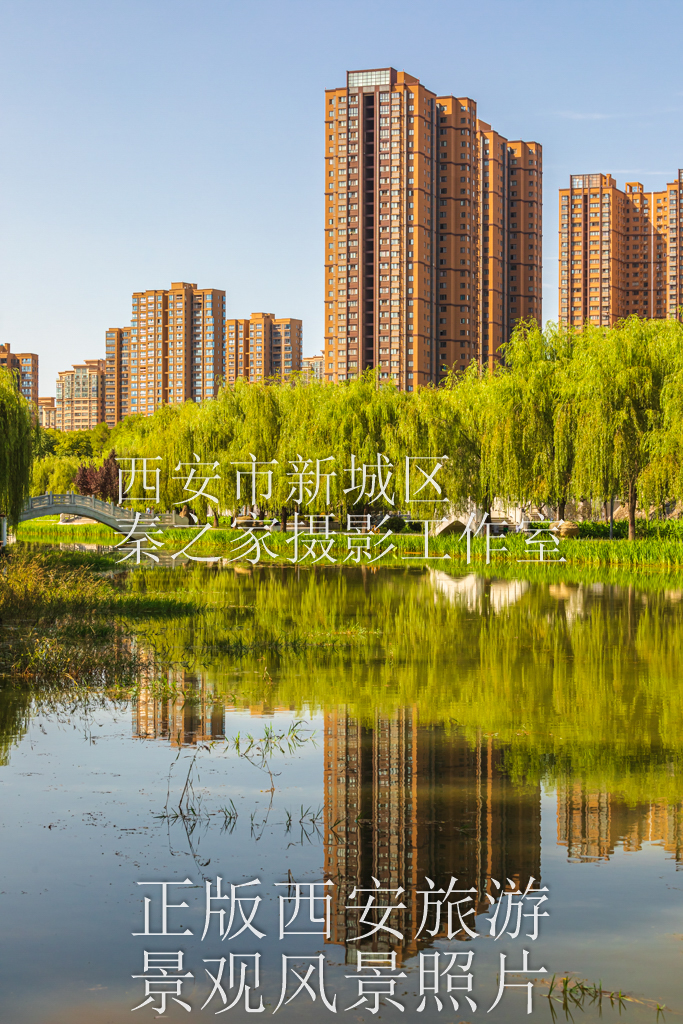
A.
pixel 661 545
pixel 574 994
pixel 35 590
pixel 63 620
pixel 48 529
pixel 52 655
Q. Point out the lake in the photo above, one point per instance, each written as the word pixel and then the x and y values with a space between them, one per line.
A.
pixel 479 766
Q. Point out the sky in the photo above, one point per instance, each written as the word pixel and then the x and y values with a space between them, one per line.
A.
pixel 150 141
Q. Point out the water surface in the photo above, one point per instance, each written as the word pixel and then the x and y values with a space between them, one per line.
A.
pixel 432 726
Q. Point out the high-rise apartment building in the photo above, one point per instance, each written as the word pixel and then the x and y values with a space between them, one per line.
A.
pixel 80 396
pixel 433 231
pixel 180 346
pixel 512 232
pixel 117 381
pixel 313 367
pixel 263 346
pixel 172 351
pixel 176 345
pixel 618 250
pixel 47 413
pixel 25 367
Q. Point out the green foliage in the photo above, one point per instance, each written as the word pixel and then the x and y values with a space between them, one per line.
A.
pixel 54 473
pixel 99 438
pixel 77 442
pixel 570 415
pixel 524 455
pixel 16 447
pixel 45 441
pixel 287 421
pixel 616 381
pixel 590 530
pixel 82 443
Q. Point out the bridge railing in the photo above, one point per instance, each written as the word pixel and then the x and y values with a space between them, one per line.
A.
pixel 77 500
pixel 80 503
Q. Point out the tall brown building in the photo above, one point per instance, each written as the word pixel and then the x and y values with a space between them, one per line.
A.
pixel 618 250
pixel 176 345
pixel 80 396
pixel 180 346
pixel 262 346
pixel 172 351
pixel 25 366
pixel 432 231
pixel 47 413
pixel 117 382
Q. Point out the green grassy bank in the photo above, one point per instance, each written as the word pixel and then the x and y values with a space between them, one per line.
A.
pixel 661 547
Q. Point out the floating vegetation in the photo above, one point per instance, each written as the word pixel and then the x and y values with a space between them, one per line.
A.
pixel 573 994
pixel 190 810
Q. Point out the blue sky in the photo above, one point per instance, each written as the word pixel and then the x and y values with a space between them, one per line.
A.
pixel 146 141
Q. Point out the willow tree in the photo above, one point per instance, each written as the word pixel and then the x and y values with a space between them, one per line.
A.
pixel 662 478
pixel 280 426
pixel 616 379
pixel 522 455
pixel 53 473
pixel 455 416
pixel 16 446
pixel 354 424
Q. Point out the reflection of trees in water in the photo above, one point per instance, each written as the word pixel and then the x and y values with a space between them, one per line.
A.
pixel 571 679
pixel 442 717
pixel 569 685
pixel 14 719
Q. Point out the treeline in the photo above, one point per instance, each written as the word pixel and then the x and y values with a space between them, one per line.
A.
pixel 571 416
pixel 17 446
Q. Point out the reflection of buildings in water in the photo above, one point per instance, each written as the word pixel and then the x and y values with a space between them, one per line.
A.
pixel 503 593
pixel 580 598
pixel 466 590
pixel 592 824
pixel 194 714
pixel 404 802
pixel 190 716
pixel 470 590
pixel 573 597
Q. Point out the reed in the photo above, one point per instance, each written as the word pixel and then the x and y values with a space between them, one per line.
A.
pixel 54 532
pixel 660 546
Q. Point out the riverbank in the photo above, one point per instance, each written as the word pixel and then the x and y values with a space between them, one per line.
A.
pixel 72 618
pixel 661 548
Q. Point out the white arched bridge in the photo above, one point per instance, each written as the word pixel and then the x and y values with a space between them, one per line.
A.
pixel 89 507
